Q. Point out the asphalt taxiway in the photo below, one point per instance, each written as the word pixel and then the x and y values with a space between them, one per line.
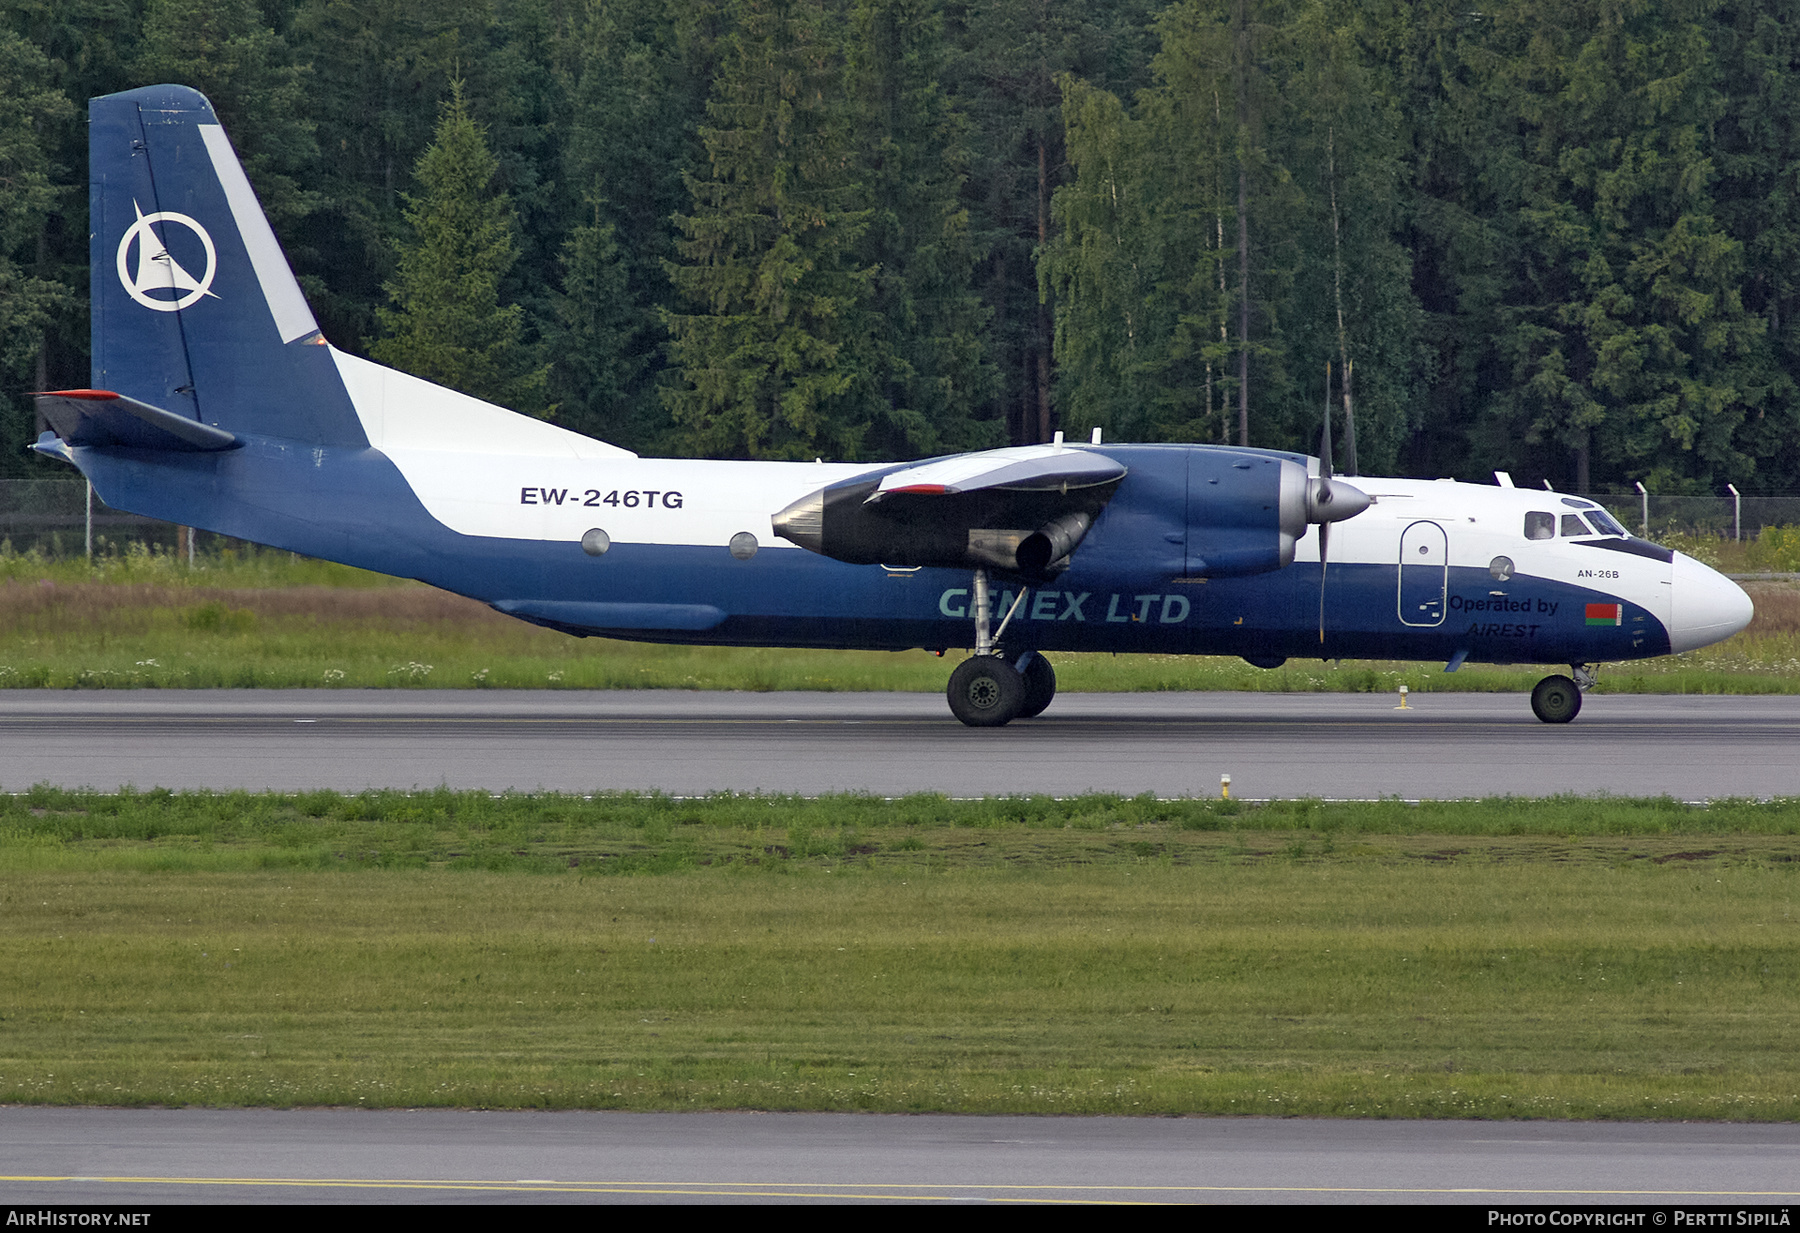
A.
pixel 156 1156
pixel 1169 744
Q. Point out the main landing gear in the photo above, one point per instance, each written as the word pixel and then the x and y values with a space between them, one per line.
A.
pixel 1557 699
pixel 987 689
pixel 1040 684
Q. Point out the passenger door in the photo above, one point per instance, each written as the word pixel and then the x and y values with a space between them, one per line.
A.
pixel 1424 574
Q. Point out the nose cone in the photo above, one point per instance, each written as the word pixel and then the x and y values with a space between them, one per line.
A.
pixel 1707 607
pixel 1332 500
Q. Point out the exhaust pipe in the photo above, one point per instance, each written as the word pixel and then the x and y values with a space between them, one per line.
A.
pixel 1052 542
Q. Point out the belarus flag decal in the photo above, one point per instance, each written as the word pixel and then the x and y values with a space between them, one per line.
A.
pixel 1606 614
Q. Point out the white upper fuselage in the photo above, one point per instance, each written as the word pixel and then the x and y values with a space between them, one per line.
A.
pixel 487 472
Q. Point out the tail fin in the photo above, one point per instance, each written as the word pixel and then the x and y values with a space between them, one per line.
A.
pixel 195 309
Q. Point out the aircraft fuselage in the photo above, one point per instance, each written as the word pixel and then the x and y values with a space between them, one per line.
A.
pixel 1432 570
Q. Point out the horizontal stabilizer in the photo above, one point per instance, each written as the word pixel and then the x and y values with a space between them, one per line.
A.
pixel 1023 468
pixel 105 420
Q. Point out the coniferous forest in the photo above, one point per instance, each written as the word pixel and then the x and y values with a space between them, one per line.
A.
pixel 1558 238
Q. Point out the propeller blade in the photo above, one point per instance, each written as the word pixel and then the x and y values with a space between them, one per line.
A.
pixel 1325 436
pixel 1324 498
pixel 1324 543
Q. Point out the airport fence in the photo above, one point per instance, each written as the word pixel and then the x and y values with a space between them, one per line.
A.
pixel 1724 517
pixel 52 516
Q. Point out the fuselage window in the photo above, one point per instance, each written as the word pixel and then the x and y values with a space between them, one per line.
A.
pixel 1573 525
pixel 1540 525
pixel 1606 524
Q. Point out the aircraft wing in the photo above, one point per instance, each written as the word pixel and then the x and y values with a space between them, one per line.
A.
pixel 1021 510
pixel 1026 468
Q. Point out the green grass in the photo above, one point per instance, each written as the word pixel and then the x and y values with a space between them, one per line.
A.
pixel 246 565
pixel 1612 958
pixel 623 833
pixel 265 619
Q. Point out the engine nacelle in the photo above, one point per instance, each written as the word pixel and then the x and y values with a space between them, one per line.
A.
pixel 1247 509
pixel 1025 510
pixel 1027 527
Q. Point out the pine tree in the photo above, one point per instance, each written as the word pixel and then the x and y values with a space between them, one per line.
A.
pixel 631 136
pixel 1352 298
pixel 227 51
pixel 1624 329
pixel 377 74
pixel 597 338
pixel 772 357
pixel 68 51
pixel 1152 279
pixel 1756 152
pixel 1464 141
pixel 931 379
pixel 1010 56
pixel 29 302
pixel 1106 268
pixel 447 324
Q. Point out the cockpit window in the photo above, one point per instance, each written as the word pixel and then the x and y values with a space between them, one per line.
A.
pixel 1573 525
pixel 1540 525
pixel 1605 523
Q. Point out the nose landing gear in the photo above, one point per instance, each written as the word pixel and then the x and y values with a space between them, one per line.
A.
pixel 1557 699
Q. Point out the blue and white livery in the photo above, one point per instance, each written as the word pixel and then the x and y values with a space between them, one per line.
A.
pixel 217 403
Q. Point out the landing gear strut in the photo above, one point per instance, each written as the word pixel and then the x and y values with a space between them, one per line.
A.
pixel 986 690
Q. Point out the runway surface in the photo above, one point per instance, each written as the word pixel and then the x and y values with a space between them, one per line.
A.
pixel 1272 745
pixel 126 1156
pixel 1172 744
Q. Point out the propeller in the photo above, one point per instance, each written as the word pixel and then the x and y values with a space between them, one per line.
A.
pixel 1324 498
pixel 1330 500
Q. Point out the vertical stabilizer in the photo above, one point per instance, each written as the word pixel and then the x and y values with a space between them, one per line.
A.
pixel 195 309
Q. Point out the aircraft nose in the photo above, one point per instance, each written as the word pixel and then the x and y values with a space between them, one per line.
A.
pixel 1707 606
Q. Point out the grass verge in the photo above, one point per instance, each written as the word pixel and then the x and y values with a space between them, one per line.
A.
pixel 1570 958
pixel 157 634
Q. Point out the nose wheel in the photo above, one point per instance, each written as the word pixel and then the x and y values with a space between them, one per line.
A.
pixel 1556 700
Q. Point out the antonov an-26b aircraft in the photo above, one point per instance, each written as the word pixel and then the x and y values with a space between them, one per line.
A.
pixel 218 404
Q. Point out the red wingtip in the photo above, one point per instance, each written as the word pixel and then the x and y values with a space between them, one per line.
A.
pixel 930 490
pixel 94 395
